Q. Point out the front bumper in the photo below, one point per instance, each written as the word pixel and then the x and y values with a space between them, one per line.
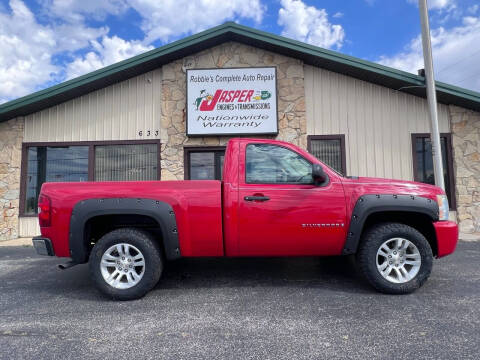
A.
pixel 43 246
pixel 447 237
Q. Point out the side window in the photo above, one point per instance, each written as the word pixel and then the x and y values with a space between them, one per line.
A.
pixel 423 163
pixel 126 162
pixel 52 164
pixel 329 149
pixel 271 164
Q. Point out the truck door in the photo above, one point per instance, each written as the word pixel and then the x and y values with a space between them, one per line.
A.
pixel 281 212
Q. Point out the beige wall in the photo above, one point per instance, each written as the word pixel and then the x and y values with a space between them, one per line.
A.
pixel 28 226
pixel 377 122
pixel 117 112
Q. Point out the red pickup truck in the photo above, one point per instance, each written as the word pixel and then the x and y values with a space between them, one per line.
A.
pixel 275 200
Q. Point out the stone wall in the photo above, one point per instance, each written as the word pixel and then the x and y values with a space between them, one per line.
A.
pixel 290 91
pixel 466 149
pixel 11 137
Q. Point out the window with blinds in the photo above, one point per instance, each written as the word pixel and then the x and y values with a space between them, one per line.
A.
pixel 423 163
pixel 329 149
pixel 53 164
pixel 126 162
pixel 85 161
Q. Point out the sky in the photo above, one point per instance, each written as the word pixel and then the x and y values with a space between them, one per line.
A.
pixel 46 42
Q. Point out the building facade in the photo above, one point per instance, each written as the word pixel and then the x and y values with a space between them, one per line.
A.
pixel 129 122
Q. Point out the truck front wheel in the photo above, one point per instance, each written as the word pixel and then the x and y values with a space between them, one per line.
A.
pixel 125 264
pixel 395 258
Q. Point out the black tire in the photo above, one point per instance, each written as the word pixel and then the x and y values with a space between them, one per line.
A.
pixel 370 243
pixel 150 250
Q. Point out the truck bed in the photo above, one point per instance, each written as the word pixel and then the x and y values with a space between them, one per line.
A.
pixel 197 206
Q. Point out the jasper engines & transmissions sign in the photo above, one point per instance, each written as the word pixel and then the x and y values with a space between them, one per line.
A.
pixel 232 101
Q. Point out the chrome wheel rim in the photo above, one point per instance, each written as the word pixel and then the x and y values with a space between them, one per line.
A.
pixel 398 260
pixel 122 266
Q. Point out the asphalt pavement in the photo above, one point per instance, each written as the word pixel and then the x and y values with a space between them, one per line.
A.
pixel 297 308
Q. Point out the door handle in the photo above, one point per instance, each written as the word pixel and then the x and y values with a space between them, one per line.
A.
pixel 256 198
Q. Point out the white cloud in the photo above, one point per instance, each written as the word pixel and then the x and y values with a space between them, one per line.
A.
pixel 469 20
pixel 105 52
pixel 441 4
pixel 473 9
pixel 455 51
pixel 164 20
pixel 28 48
pixel 76 11
pixel 309 24
pixel 338 15
pixel 23 63
pixel 161 20
pixel 438 4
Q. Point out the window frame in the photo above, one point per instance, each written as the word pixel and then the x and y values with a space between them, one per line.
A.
pixel 187 150
pixel 91 161
pixel 449 154
pixel 276 183
pixel 340 137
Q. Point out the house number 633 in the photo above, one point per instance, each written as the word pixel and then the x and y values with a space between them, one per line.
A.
pixel 148 133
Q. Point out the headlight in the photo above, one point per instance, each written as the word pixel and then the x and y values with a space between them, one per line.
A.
pixel 443 208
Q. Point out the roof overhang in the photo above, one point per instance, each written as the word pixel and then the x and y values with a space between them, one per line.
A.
pixel 312 55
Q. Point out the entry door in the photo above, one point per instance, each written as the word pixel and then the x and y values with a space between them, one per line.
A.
pixel 282 212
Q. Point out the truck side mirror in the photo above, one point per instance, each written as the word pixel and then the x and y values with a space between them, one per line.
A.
pixel 319 176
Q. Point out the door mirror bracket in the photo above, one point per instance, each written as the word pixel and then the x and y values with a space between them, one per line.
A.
pixel 319 176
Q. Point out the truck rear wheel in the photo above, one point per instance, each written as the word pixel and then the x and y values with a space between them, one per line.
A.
pixel 395 258
pixel 125 264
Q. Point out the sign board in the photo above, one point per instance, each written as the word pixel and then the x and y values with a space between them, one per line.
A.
pixel 232 101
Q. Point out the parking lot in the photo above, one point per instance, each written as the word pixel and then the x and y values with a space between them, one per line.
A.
pixel 239 308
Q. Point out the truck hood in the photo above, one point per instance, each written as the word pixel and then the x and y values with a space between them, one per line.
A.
pixel 370 185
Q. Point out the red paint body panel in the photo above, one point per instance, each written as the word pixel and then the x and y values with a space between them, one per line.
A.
pixel 230 198
pixel 274 227
pixel 197 206
pixel 213 219
pixel 447 237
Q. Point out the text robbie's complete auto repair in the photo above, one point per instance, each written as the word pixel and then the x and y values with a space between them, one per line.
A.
pixel 167 114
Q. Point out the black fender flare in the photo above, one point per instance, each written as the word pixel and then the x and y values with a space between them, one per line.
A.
pixel 369 204
pixel 160 211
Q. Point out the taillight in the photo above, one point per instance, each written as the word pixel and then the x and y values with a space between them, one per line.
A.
pixel 44 210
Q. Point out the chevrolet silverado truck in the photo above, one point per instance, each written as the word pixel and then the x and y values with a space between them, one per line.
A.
pixel 275 199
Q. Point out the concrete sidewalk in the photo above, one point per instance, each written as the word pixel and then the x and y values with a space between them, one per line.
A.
pixel 17 242
pixel 470 237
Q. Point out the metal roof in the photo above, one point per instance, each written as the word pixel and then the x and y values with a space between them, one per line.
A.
pixel 327 59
